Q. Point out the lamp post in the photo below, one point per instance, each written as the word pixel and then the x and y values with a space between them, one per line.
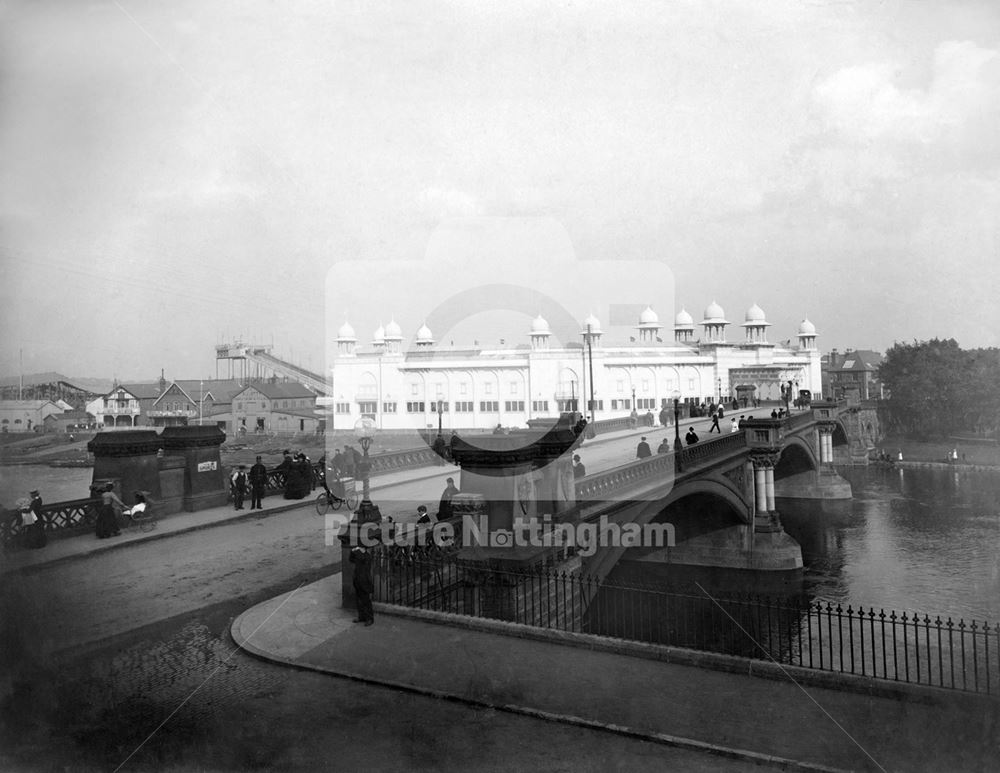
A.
pixel 589 335
pixel 440 404
pixel 720 391
pixel 364 431
pixel 677 429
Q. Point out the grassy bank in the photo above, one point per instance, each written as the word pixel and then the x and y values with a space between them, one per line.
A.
pixel 937 451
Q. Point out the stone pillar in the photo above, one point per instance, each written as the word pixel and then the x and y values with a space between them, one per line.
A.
pixel 205 482
pixel 765 517
pixel 760 488
pixel 129 456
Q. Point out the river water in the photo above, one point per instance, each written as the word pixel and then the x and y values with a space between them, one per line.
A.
pixel 914 540
pixel 923 540
pixel 55 484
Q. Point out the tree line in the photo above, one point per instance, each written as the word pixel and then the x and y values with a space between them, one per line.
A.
pixel 936 389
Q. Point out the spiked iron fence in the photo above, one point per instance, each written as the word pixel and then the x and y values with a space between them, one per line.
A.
pixel 868 642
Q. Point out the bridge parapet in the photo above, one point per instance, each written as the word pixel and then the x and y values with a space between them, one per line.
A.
pixel 601 484
pixel 712 448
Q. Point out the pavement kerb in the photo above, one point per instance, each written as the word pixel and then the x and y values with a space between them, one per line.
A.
pixel 666 739
pixel 714 661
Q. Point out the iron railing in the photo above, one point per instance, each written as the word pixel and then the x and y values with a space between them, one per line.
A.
pixel 58 516
pixel 819 635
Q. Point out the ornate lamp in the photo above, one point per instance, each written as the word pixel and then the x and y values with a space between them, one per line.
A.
pixel 364 431
pixel 676 395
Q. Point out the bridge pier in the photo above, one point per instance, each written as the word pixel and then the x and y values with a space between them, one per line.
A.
pixel 821 484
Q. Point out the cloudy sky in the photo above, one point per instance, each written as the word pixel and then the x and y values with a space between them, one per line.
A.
pixel 176 174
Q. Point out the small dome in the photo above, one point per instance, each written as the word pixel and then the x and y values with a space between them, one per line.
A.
pixel 540 326
pixel 424 334
pixel 346 332
pixel 755 314
pixel 683 318
pixel 807 328
pixel 392 330
pixel 714 313
pixel 648 317
pixel 593 322
pixel 379 335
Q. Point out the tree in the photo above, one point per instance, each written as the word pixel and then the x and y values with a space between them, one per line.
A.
pixel 928 383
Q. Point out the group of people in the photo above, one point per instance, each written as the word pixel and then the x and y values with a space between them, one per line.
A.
pixel 254 482
pixel 298 474
pixel 111 507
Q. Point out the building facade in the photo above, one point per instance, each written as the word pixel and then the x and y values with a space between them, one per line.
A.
pixel 275 407
pixel 481 388
pixel 852 374
pixel 26 415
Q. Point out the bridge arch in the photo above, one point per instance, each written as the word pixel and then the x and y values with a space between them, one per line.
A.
pixel 705 487
pixel 797 456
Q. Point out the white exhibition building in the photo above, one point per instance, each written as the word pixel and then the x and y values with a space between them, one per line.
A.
pixel 479 388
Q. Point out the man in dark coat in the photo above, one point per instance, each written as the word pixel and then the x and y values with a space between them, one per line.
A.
pixel 444 508
pixel 363 583
pixel 643 450
pixel 239 485
pixel 579 469
pixel 664 416
pixel 258 482
pixel 440 448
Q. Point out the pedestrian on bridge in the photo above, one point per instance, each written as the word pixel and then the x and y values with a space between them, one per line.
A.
pixel 691 437
pixel 643 450
pixel 258 482
pixel 732 425
pixel 715 424
pixel 444 507
pixel 664 447
pixel 239 486
pixel 363 583
pixel 579 470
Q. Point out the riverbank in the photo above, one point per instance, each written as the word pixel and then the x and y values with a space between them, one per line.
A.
pixel 970 452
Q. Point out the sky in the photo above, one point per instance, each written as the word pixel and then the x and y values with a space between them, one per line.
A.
pixel 177 175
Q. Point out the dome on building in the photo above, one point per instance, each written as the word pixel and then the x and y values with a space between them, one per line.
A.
pixel 593 322
pixel 683 318
pixel 540 325
pixel 755 314
pixel 807 328
pixel 714 313
pixel 392 330
pixel 346 332
pixel 379 335
pixel 424 334
pixel 648 317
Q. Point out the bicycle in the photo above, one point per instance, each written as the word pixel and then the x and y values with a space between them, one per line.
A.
pixel 327 500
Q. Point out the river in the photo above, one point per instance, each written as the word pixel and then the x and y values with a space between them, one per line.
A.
pixel 923 540
pixel 55 484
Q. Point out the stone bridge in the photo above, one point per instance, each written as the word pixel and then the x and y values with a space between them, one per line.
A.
pixel 718 494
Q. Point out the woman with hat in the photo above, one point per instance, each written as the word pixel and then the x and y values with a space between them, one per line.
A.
pixel 107 521
pixel 32 525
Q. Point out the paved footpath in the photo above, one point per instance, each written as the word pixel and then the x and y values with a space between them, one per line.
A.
pixel 769 722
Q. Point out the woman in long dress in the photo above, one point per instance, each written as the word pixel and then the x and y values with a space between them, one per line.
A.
pixel 107 520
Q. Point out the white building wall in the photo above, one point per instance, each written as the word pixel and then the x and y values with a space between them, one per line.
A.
pixel 499 377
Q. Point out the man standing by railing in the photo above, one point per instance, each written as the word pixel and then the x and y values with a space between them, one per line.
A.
pixel 258 482
pixel 363 583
